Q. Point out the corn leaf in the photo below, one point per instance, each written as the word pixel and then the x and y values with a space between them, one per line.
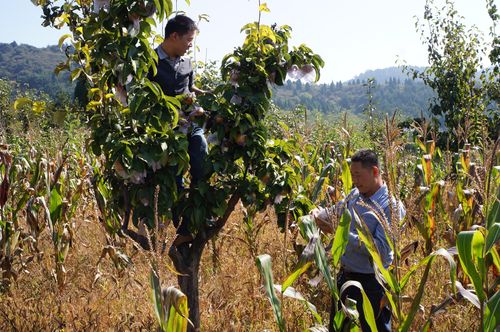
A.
pixel 341 237
pixel 492 315
pixel 367 238
pixel 448 254
pixel 156 298
pixel 493 236
pixel 317 187
pixel 304 263
pixel 307 229
pixel 494 213
pixel 346 177
pixel 367 306
pixel 294 294
pixel 175 309
pixel 469 244
pixel 55 205
pixel 415 305
pixel 265 267
pixel 467 294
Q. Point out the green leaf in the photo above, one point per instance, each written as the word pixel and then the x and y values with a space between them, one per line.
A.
pixel 76 73
pixel 492 318
pixel 366 237
pixel 448 254
pixel 265 267
pixel 494 213
pixel 493 236
pixel 55 205
pixel 156 297
pixel 346 177
pixel 415 305
pixel 317 187
pixel 367 306
pixel 468 243
pixel 305 261
pixel 307 229
pixel 341 237
pixel 175 309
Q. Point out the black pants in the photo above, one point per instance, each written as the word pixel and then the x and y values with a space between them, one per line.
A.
pixel 374 291
pixel 198 150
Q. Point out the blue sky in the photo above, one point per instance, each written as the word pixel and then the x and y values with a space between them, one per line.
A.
pixel 352 36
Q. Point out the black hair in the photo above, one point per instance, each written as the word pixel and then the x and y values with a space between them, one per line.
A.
pixel 180 24
pixel 366 157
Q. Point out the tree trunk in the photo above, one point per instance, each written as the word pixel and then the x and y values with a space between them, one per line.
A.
pixel 188 282
pixel 187 259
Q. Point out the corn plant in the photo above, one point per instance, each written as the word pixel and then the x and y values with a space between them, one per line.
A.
pixel 480 261
pixel 170 306
pixel 265 267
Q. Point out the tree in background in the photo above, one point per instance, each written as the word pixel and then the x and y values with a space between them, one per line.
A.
pixel 456 74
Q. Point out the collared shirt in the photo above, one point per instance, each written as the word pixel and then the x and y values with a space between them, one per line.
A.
pixel 175 75
pixel 356 257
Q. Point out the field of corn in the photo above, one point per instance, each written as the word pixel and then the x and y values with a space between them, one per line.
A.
pixel 73 176
pixel 61 269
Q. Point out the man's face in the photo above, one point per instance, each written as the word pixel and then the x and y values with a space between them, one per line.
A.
pixel 365 178
pixel 183 42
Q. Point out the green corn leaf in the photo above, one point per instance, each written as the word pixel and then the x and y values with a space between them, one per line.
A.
pixel 156 298
pixel 495 257
pixel 448 254
pixel 175 309
pixel 341 237
pixel 317 188
pixel 416 300
pixel 469 243
pixel 346 177
pixel 367 238
pixel 265 267
pixel 338 320
pixel 304 263
pixel 367 306
pixel 493 236
pixel 55 205
pixel 494 213
pixel 492 315
pixel 307 229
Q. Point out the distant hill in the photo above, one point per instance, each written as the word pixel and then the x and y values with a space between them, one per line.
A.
pixel 409 97
pixel 392 89
pixel 385 74
pixel 34 66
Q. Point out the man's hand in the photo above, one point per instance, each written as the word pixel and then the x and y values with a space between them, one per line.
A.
pixel 196 112
pixel 322 220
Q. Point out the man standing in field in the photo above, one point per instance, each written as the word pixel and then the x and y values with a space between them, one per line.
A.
pixel 175 76
pixel 369 198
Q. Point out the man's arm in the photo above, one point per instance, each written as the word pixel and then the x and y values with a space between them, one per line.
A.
pixel 198 91
pixel 323 218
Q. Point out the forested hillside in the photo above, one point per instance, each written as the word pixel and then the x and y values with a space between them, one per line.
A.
pixel 408 96
pixel 34 66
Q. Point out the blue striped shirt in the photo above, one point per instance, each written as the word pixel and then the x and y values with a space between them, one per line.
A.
pixel 356 257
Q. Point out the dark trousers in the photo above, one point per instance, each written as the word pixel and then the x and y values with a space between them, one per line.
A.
pixel 374 291
pixel 198 150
